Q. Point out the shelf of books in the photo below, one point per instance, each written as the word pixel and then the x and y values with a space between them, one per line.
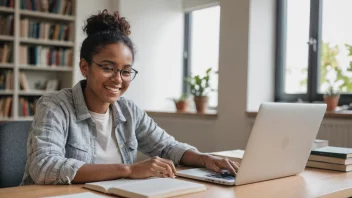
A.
pixel 6 65
pixel 45 68
pixel 5 9
pixel 37 48
pixel 6 38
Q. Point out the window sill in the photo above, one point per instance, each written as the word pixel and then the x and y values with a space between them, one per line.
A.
pixel 343 114
pixel 210 114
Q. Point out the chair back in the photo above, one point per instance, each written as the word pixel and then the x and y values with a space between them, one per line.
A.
pixel 13 152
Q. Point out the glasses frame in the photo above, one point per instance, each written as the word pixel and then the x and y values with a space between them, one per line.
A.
pixel 115 72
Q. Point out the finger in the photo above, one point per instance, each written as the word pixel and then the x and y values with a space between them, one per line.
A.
pixel 163 163
pixel 159 171
pixel 234 165
pixel 213 166
pixel 170 163
pixel 167 167
pixel 226 164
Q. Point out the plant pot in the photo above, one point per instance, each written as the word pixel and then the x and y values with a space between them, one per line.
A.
pixel 201 103
pixel 331 102
pixel 181 106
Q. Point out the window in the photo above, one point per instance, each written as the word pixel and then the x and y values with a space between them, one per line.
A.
pixel 314 49
pixel 202 46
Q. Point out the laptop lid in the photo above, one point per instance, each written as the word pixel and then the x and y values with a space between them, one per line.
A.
pixel 280 142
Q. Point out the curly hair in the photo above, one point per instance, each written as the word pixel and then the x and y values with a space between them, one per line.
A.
pixel 103 29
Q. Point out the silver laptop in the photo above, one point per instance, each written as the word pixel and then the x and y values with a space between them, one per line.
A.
pixel 279 145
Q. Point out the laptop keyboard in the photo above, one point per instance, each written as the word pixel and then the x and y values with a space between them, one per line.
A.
pixel 225 175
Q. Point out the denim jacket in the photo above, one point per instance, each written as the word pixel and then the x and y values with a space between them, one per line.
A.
pixel 63 136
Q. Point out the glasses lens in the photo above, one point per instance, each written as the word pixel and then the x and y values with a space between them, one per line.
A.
pixel 128 74
pixel 107 72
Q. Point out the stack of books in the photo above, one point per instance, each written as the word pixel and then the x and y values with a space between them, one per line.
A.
pixel 45 30
pixel 51 6
pixel 7 3
pixel 7 25
pixel 6 52
pixel 39 55
pixel 5 107
pixel 27 106
pixel 6 80
pixel 332 158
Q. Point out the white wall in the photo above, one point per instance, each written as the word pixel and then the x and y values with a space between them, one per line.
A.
pixel 189 5
pixel 157 32
pixel 84 9
pixel 230 129
pixel 261 64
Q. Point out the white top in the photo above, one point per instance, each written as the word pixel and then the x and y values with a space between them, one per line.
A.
pixel 107 150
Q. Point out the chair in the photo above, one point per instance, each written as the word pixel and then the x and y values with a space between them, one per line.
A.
pixel 13 152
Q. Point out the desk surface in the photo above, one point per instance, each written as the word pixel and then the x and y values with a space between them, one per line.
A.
pixel 310 183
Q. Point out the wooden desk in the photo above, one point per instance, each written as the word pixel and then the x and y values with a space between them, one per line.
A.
pixel 310 183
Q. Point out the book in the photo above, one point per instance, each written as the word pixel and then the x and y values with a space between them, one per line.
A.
pixel 143 188
pixel 319 143
pixel 79 195
pixel 329 166
pixel 332 160
pixel 330 151
pixel 234 155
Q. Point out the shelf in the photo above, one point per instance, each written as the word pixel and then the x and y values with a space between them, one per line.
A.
pixel 6 65
pixel 46 68
pixel 26 118
pixel 6 119
pixel 6 92
pixel 6 9
pixel 47 42
pixel 33 93
pixel 46 15
pixel 6 38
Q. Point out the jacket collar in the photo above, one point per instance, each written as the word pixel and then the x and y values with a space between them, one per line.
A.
pixel 81 108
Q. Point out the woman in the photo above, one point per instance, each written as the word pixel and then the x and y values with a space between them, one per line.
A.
pixel 91 133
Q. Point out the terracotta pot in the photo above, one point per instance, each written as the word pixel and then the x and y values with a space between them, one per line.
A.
pixel 331 102
pixel 181 106
pixel 201 103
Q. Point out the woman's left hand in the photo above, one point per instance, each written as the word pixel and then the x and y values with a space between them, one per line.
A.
pixel 217 164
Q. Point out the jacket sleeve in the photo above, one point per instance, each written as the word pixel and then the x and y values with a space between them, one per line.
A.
pixel 46 145
pixel 155 141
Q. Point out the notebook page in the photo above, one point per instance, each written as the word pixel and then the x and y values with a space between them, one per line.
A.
pixel 80 195
pixel 159 186
pixel 113 183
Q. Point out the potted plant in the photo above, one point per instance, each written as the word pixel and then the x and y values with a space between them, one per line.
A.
pixel 181 103
pixel 199 88
pixel 333 85
pixel 331 98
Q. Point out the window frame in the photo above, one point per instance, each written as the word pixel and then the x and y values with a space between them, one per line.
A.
pixel 187 55
pixel 314 59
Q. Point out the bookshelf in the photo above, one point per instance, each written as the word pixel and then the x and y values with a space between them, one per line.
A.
pixel 41 47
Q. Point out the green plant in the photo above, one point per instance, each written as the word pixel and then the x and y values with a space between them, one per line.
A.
pixel 199 86
pixel 332 91
pixel 329 62
pixel 183 97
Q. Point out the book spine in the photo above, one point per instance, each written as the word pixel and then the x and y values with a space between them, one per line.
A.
pixel 337 155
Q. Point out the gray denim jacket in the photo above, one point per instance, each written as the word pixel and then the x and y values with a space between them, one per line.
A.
pixel 63 135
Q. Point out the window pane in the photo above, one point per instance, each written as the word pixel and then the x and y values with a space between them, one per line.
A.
pixel 336 46
pixel 205 46
pixel 296 70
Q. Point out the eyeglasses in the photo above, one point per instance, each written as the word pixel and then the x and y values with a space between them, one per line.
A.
pixel 108 71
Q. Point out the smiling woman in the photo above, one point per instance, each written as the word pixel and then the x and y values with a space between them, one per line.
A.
pixel 91 133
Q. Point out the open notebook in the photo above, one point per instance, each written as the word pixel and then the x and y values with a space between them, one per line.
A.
pixel 142 188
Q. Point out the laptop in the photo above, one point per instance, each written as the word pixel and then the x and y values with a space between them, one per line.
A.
pixel 278 146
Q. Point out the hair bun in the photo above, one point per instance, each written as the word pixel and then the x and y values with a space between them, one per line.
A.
pixel 107 22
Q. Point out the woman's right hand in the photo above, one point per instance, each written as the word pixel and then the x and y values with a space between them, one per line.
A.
pixel 153 167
